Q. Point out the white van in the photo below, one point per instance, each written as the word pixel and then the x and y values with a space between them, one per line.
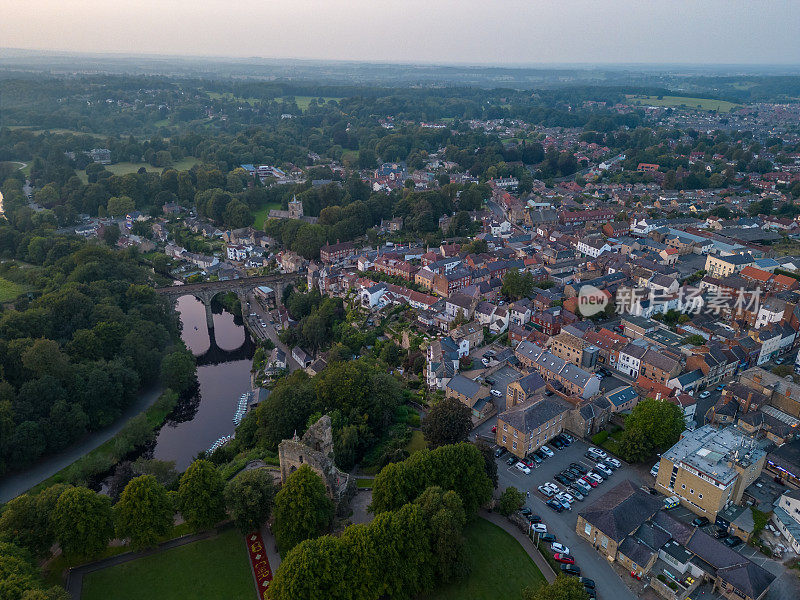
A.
pixel 654 470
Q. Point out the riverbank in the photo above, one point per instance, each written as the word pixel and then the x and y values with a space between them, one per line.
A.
pixel 14 484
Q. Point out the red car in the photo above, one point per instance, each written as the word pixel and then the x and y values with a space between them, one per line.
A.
pixel 588 481
pixel 564 558
pixel 494 429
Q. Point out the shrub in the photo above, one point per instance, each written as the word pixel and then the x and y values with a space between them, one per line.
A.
pixel 599 437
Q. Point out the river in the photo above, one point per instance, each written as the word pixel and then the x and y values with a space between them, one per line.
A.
pixel 223 373
pixel 195 424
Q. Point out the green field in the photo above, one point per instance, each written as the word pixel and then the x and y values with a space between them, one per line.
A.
pixel 304 101
pixel 37 129
pixel 500 567
pixel 230 96
pixel 685 101
pixel 212 569
pixel 10 290
pixel 122 168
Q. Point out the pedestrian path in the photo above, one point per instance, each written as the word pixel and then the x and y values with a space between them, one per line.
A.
pixel 524 540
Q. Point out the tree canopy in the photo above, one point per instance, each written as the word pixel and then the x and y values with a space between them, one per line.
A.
pixel 303 509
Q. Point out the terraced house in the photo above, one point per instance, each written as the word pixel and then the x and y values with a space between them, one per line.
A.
pixel 525 427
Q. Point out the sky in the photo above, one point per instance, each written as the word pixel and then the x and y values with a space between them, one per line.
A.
pixel 520 32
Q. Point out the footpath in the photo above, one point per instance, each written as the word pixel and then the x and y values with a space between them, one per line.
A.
pixel 524 540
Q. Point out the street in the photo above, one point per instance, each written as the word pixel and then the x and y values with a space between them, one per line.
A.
pixel 251 305
pixel 592 565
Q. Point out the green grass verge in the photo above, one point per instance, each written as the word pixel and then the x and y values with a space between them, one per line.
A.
pixel 722 106
pixel 365 484
pixel 417 442
pixel 487 547
pixel 10 291
pixel 206 570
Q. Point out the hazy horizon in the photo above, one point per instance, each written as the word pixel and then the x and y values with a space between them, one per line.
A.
pixel 509 33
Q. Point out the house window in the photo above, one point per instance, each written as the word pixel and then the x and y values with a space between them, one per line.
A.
pixel 683 486
pixel 587 529
pixel 504 439
pixel 700 496
pixel 515 433
pixel 604 542
pixel 505 427
pixel 691 491
pixel 514 445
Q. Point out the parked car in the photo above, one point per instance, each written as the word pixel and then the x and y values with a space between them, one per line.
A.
pixel 582 486
pixel 700 521
pixel 497 393
pixel 573 570
pixel 705 394
pixel 566 497
pixel 592 476
pixel 590 592
pixel 523 467
pixel 732 541
pixel 490 380
pixel 720 388
pixel 587 583
pixel 555 505
pixel 720 533
pixel 511 460
pixel 558 444
pixel 576 492
pixel 578 467
pixel 605 470
pixel 499 452
pixel 548 537
pixel 780 361
pixel 654 470
pixel 561 548
pixel 540 454
pixel 589 481
pixel 534 518
pixel 535 459
pixel 545 491
pixel 547 451
pixel 539 527
pixel 568 437
pixel 598 452
pixel 569 476
pixel 613 462
pixel 564 558
pixel 561 479
pixel 552 486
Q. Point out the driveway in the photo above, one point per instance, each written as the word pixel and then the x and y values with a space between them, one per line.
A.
pixel 609 585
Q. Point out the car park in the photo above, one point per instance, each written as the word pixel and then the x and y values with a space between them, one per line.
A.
pixel 523 467
pixel 547 451
pixel 539 527
pixel 573 570
pixel 564 558
pixel 700 521
pixel 561 548
pixel 732 541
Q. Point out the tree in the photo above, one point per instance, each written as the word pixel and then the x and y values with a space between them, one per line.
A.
pixel 179 370
pixel 443 512
pixel 144 512
pixel 83 522
pixel 448 422
pixel 17 572
pixel 201 495
pixel 249 497
pixel 119 206
pixel 302 509
pixel 563 588
pixel 489 462
pixel 652 425
pixel 511 500
pixel 111 234
pixel 517 285
pixel 25 520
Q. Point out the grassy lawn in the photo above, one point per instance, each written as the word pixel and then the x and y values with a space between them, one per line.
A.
pixel 10 290
pixel 123 168
pixel 230 96
pixel 487 547
pixel 685 101
pixel 364 483
pixel 205 570
pixel 417 442
pixel 304 101
pixel 260 215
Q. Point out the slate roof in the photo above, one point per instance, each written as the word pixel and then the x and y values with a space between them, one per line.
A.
pixel 621 510
pixel 532 383
pixel 636 551
pixel 464 385
pixel 533 413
